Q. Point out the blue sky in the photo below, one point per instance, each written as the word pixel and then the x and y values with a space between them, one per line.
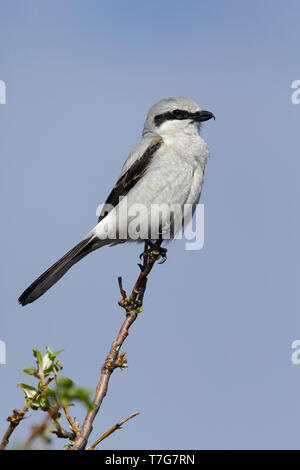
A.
pixel 210 356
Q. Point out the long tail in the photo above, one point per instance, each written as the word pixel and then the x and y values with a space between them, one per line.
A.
pixel 57 270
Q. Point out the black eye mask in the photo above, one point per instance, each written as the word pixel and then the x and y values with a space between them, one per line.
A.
pixel 180 114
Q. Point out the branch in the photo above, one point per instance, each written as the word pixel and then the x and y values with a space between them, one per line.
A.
pixel 113 429
pixel 63 433
pixel 18 415
pixel 132 306
pixel 39 429
pixel 74 425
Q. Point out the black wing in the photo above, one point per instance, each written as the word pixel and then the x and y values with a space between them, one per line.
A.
pixel 132 176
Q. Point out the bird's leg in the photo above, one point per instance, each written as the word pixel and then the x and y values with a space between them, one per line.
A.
pixel 163 254
pixel 148 249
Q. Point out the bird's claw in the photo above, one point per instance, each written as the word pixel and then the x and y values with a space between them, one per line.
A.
pixel 145 253
pixel 148 249
pixel 163 254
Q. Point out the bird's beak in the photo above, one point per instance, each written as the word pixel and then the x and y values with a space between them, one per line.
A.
pixel 203 116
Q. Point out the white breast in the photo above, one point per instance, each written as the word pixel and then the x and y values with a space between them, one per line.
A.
pixel 174 178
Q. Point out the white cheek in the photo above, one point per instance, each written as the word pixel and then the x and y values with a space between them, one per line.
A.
pixel 175 125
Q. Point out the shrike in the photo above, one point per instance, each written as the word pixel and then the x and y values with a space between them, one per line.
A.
pixel 165 168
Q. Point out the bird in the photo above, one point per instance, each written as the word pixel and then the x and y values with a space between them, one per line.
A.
pixel 165 168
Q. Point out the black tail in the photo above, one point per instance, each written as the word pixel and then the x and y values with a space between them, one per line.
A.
pixel 57 270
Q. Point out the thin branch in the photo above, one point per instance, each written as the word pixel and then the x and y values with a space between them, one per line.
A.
pixel 63 433
pixel 39 429
pixel 113 429
pixel 18 415
pixel 132 306
pixel 74 425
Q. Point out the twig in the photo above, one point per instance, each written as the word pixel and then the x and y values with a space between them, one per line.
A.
pixel 74 425
pixel 18 415
pixel 63 433
pixel 113 429
pixel 132 306
pixel 38 430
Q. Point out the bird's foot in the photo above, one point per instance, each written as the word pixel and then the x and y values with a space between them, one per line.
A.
pixel 163 254
pixel 148 250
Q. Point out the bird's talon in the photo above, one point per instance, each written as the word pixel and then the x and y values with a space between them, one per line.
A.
pixel 162 252
pixel 145 253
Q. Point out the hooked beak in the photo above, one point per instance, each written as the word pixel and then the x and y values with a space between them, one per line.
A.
pixel 201 116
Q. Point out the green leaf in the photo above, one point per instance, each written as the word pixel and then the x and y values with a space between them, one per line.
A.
pixel 67 392
pixel 39 402
pixel 83 395
pixel 29 390
pixel 51 354
pixel 65 383
pixel 47 363
pixel 38 355
pixel 58 352
pixel 30 370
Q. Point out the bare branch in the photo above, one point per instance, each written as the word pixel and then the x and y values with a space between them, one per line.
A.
pixel 113 429
pixel 38 430
pixel 63 433
pixel 132 306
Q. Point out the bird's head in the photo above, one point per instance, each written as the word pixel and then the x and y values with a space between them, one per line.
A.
pixel 173 115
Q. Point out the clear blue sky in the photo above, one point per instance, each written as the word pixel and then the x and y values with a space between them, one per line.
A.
pixel 209 357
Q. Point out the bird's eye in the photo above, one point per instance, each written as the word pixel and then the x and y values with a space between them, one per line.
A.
pixel 178 112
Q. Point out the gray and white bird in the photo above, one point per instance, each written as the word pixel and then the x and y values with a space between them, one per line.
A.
pixel 165 168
